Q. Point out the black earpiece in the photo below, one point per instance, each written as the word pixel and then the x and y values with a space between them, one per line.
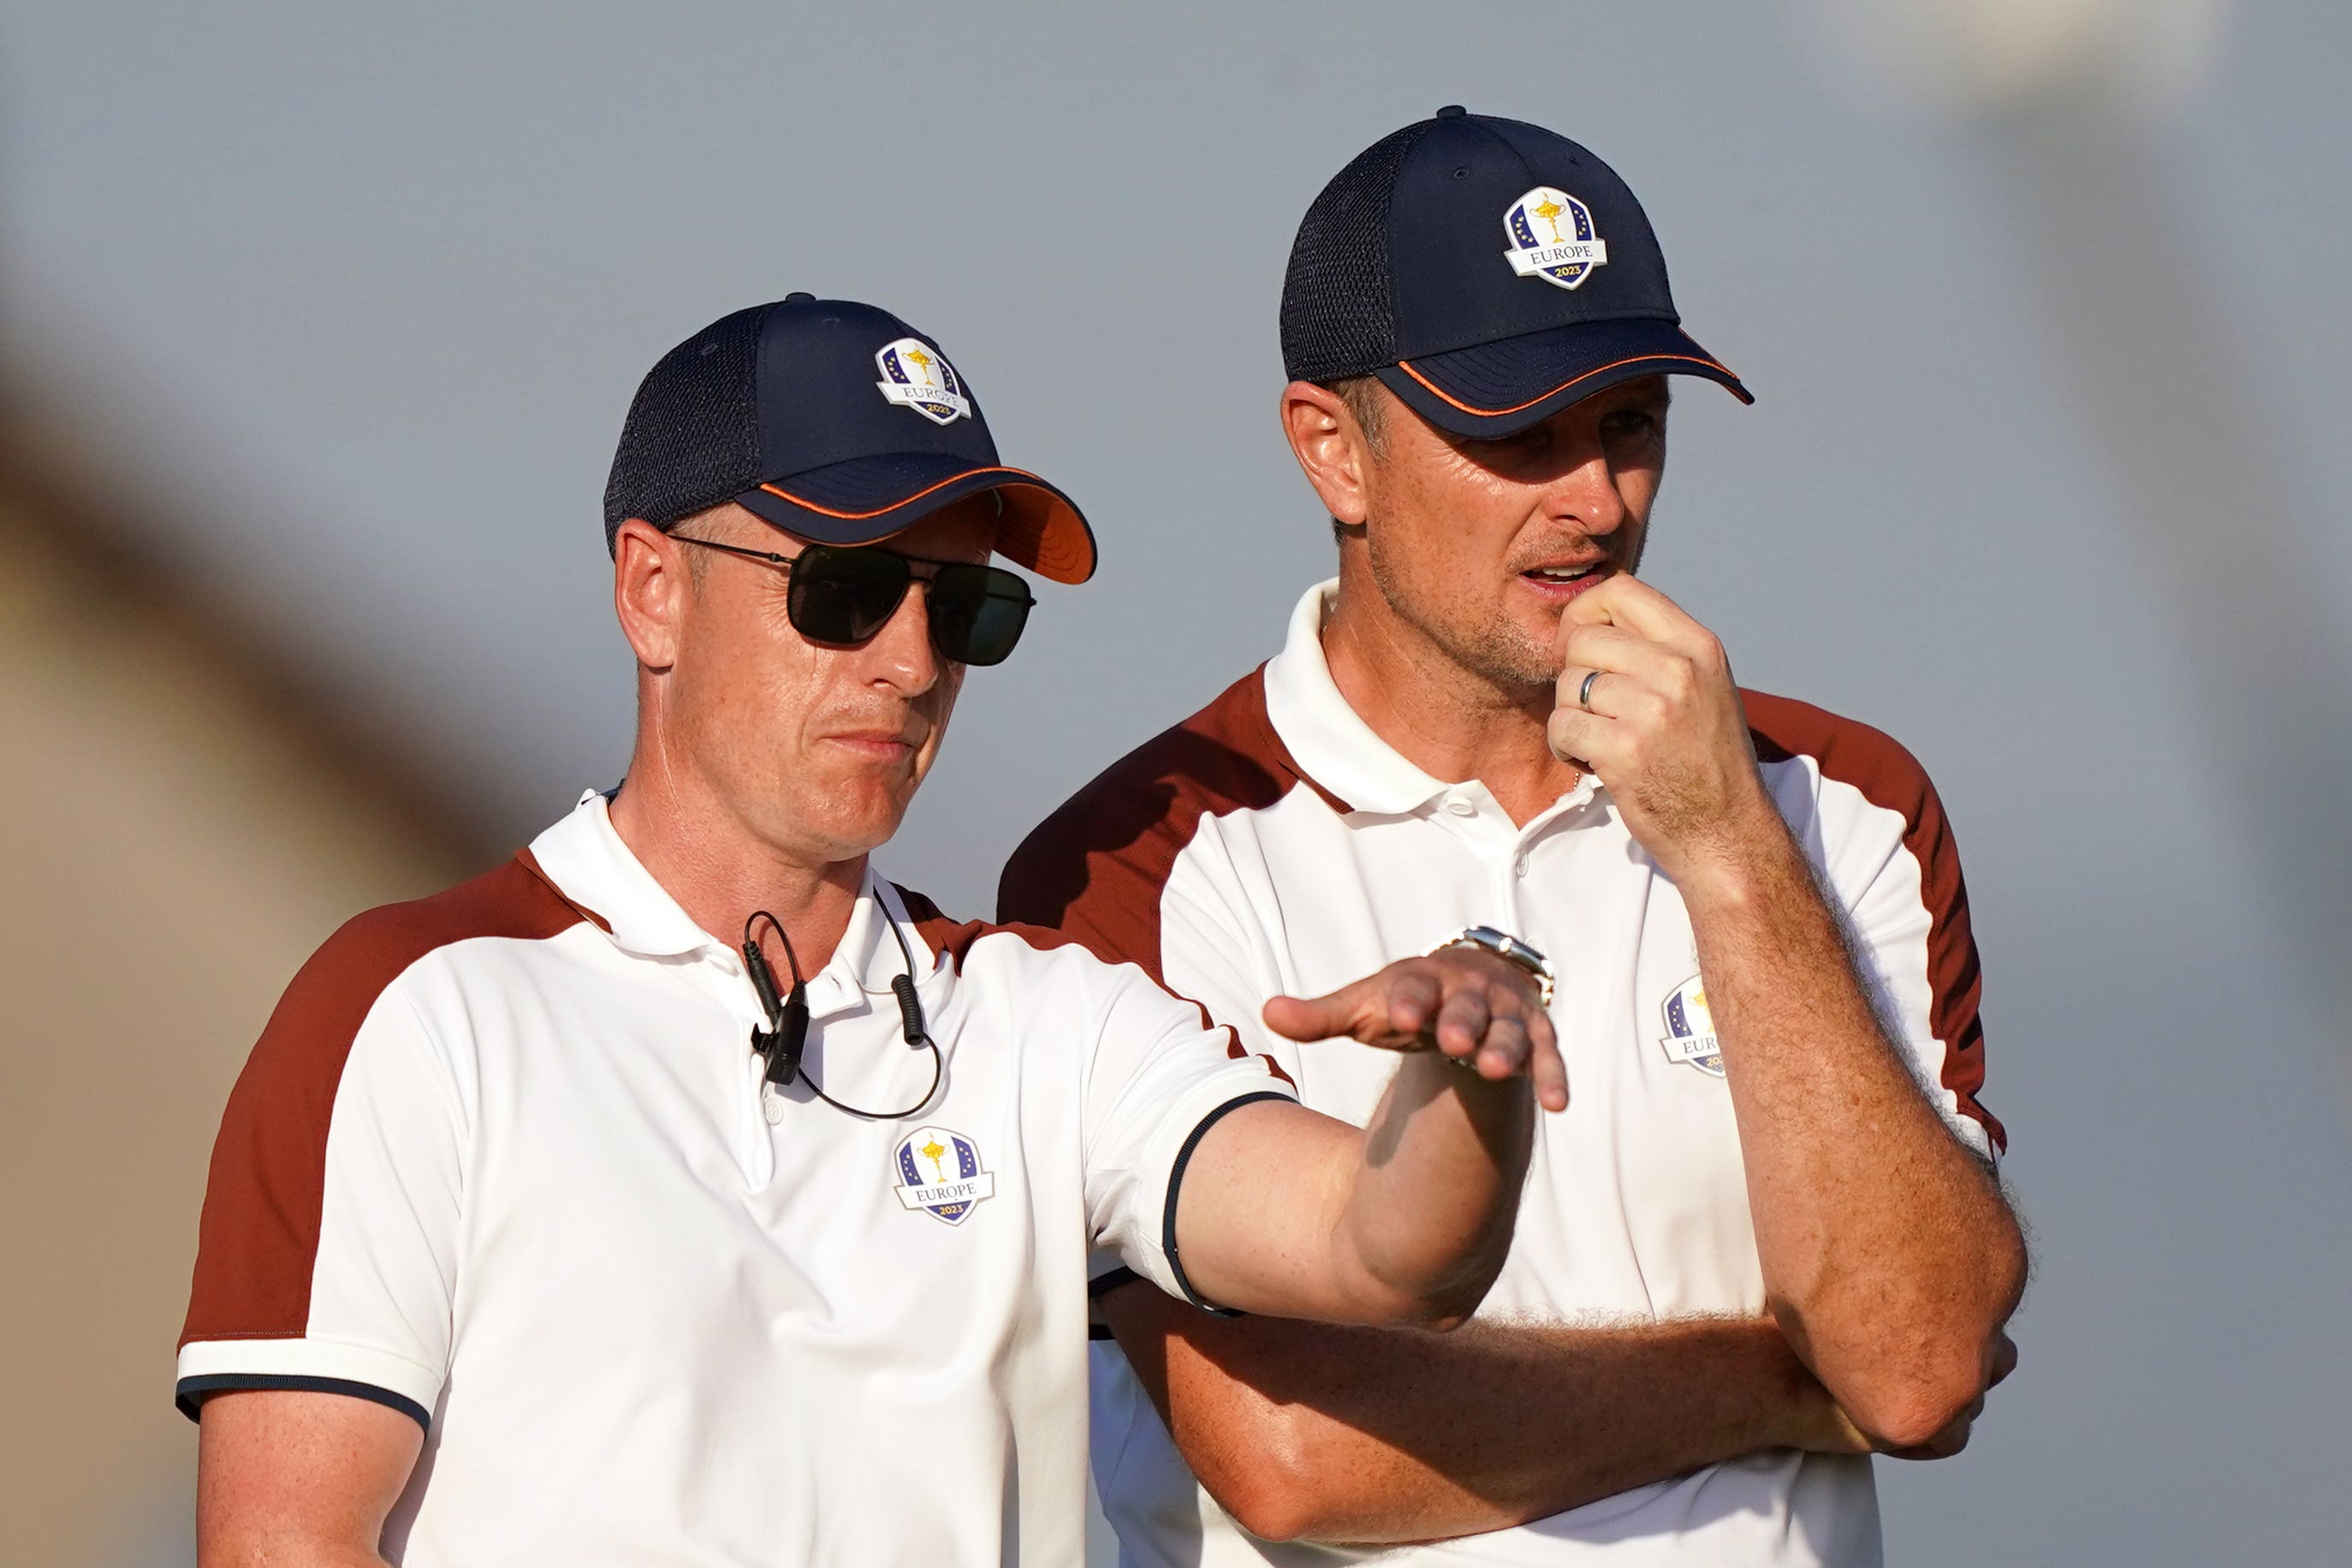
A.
pixel 778 1046
pixel 785 1065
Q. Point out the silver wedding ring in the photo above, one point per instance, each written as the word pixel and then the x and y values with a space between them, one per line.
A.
pixel 1584 692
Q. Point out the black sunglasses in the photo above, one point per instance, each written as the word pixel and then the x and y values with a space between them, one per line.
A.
pixel 847 593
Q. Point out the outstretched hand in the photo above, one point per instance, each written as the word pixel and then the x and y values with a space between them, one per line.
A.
pixel 1481 1010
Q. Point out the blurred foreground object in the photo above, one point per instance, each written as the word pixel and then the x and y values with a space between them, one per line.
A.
pixel 2064 104
pixel 181 822
pixel 2120 62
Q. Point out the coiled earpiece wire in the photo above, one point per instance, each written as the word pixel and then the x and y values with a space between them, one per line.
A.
pixel 780 1045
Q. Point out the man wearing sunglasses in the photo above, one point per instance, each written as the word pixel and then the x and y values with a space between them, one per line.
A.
pixel 1767 1237
pixel 683 1192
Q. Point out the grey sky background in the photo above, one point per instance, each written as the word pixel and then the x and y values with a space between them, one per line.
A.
pixel 356 298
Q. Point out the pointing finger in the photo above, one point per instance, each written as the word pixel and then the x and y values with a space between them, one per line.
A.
pixel 1316 1017
pixel 1390 1009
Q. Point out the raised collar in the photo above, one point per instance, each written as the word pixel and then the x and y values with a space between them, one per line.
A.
pixel 583 858
pixel 1327 739
pixel 600 876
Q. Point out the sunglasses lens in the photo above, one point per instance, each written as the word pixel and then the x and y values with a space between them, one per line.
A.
pixel 844 594
pixel 977 613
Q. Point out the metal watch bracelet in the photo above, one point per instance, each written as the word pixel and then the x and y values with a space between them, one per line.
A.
pixel 1510 948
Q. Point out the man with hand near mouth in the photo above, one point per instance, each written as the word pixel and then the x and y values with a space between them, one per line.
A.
pixel 684 1193
pixel 1766 1239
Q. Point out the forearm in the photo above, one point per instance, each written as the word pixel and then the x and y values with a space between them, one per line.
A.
pixel 1432 1201
pixel 1572 1415
pixel 1287 1213
pixel 299 1479
pixel 266 1551
pixel 1373 1436
pixel 1887 1251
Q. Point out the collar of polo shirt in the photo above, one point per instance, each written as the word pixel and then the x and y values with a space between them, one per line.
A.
pixel 1331 742
pixel 595 871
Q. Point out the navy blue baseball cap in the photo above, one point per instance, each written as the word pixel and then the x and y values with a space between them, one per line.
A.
pixel 836 422
pixel 1490 273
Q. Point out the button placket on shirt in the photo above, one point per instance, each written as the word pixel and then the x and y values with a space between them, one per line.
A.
pixel 1572 810
pixel 769 1104
pixel 720 974
pixel 1472 815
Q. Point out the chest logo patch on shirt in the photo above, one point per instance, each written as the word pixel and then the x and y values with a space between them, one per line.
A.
pixel 1690 1029
pixel 939 1172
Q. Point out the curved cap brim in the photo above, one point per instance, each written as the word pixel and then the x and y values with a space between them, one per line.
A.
pixel 1498 389
pixel 867 500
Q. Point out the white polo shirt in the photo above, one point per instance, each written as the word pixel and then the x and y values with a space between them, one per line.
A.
pixel 1274 843
pixel 504 1160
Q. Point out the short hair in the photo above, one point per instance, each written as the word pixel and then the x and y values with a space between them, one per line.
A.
pixel 1361 396
pixel 702 525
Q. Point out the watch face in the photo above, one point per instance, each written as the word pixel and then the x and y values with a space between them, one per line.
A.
pixel 1504 945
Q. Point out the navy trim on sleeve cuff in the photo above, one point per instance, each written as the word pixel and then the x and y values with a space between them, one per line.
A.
pixel 1176 1182
pixel 192 1392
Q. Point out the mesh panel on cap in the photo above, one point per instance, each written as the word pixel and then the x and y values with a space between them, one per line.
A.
pixel 692 436
pixel 1337 316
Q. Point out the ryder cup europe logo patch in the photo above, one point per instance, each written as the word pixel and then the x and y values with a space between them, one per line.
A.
pixel 1690 1029
pixel 918 376
pixel 939 1173
pixel 1552 238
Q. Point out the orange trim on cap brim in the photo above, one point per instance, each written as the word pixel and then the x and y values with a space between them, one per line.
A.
pixel 1075 565
pixel 1406 366
pixel 904 501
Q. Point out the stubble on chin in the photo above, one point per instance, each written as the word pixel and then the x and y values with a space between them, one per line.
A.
pixel 1501 654
pixel 1486 644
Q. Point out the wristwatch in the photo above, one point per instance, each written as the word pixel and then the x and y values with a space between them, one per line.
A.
pixel 1510 950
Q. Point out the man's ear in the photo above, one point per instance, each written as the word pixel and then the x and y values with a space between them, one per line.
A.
pixel 650 591
pixel 1330 446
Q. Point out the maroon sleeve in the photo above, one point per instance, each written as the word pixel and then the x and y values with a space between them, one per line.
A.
pixel 257 1242
pixel 1095 869
pixel 1889 778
